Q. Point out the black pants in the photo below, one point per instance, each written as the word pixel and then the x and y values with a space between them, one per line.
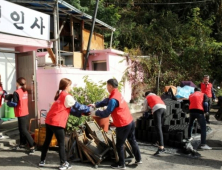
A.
pixel 209 106
pixel 202 123
pixel 123 133
pixel 158 116
pixel 60 136
pixel 23 131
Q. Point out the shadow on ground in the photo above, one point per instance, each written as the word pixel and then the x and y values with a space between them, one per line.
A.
pixel 192 162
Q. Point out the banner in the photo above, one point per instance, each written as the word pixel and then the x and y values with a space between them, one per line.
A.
pixel 18 20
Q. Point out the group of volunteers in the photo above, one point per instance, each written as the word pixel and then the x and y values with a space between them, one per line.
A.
pixel 64 104
pixel 199 106
pixel 56 119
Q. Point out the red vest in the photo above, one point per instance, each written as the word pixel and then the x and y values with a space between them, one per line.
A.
pixel 58 114
pixel 152 100
pixel 22 107
pixel 196 100
pixel 206 89
pixel 121 115
pixel 1 96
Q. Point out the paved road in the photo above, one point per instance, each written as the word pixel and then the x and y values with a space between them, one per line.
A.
pixel 19 160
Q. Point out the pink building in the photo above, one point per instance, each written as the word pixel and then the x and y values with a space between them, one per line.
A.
pixel 28 43
pixel 109 63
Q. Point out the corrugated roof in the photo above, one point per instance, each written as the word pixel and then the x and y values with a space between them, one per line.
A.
pixel 64 7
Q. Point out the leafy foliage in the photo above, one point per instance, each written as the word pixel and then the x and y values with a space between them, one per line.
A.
pixel 219 92
pixel 186 48
pixel 182 42
pixel 74 122
pixel 91 93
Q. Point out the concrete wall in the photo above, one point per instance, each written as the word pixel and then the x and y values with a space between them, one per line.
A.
pixel 7 70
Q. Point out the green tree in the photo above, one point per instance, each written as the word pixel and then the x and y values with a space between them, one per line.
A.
pixel 185 37
pixel 78 5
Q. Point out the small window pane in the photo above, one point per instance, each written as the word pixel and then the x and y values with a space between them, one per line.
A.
pixel 99 66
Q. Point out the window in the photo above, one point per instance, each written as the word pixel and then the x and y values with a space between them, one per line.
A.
pixel 99 66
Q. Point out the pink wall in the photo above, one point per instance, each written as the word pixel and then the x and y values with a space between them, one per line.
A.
pixel 48 81
pixel 23 44
pixel 112 58
pixel 98 57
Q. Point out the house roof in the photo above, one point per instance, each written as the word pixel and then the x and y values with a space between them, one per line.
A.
pixel 108 51
pixel 64 8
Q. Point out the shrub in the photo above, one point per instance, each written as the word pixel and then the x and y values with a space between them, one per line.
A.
pixel 89 94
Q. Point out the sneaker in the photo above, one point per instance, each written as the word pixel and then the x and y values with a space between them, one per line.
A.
pixel 205 147
pixel 64 166
pixel 42 163
pixel 190 139
pixel 31 151
pixel 117 166
pixel 160 151
pixel 138 162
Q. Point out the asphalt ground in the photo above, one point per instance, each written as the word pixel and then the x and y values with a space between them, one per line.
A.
pixel 209 159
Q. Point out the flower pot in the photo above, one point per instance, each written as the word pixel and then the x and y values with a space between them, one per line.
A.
pixel 102 122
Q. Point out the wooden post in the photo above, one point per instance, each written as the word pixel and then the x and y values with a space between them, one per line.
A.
pixel 72 33
pixel 90 35
pixel 82 28
pixel 55 17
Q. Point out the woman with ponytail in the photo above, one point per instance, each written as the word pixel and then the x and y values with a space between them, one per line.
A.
pixel 20 104
pixel 56 120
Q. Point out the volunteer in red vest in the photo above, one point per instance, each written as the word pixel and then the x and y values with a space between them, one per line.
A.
pixel 198 105
pixel 56 120
pixel 207 88
pixel 158 108
pixel 123 121
pixel 20 104
pixel 2 93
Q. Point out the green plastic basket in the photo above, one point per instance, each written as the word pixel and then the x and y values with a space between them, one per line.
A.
pixel 9 112
pixel 5 119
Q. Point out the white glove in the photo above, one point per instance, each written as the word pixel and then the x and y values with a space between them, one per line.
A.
pixel 92 105
pixel 91 109
pixel 93 113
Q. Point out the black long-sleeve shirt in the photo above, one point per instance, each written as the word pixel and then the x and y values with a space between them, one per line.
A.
pixel 14 101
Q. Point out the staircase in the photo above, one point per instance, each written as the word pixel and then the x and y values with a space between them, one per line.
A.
pixel 9 131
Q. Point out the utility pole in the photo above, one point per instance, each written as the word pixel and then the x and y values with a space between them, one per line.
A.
pixel 91 33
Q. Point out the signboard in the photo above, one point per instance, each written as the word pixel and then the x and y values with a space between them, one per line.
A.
pixel 18 20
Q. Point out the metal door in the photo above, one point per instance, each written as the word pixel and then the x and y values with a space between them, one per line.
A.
pixel 26 67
